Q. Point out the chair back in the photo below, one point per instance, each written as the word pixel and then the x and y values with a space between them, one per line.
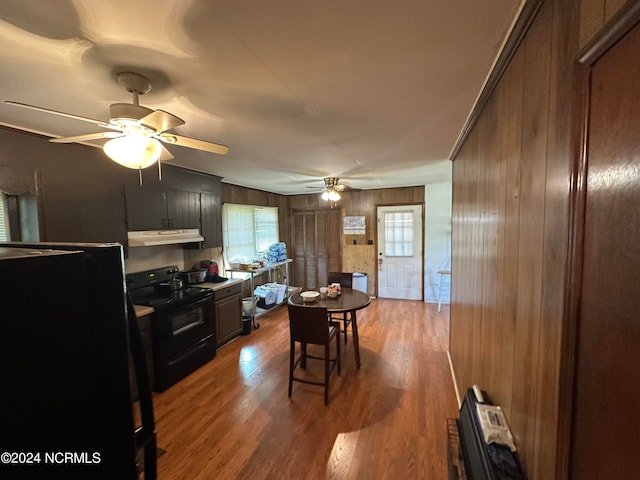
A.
pixel 343 278
pixel 309 324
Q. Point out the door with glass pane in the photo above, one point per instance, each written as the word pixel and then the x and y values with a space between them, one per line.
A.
pixel 400 252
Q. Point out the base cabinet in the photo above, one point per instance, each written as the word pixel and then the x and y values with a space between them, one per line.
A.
pixel 228 312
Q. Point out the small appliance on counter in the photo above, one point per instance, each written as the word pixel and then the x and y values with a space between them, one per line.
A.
pixel 213 273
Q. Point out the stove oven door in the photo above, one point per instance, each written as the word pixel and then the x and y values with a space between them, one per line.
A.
pixel 183 340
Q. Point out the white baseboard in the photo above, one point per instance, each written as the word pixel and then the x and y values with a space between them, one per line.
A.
pixel 453 377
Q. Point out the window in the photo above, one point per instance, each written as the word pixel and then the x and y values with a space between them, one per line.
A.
pixel 248 230
pixel 4 220
pixel 398 234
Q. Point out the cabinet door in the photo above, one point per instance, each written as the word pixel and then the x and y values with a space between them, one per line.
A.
pixel 211 219
pixel 228 313
pixel 146 208
pixel 182 209
pixel 155 208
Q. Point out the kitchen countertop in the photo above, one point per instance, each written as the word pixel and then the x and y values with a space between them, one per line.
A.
pixel 221 285
pixel 142 310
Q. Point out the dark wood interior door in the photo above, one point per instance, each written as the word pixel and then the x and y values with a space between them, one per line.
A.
pixel 606 409
pixel 316 246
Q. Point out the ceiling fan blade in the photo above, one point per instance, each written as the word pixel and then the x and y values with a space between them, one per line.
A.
pixel 193 143
pixel 88 136
pixel 165 155
pixel 160 121
pixel 62 114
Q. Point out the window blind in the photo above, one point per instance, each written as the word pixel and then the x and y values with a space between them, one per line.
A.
pixel 248 230
pixel 266 225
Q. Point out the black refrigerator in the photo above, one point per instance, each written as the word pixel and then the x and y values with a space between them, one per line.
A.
pixel 70 353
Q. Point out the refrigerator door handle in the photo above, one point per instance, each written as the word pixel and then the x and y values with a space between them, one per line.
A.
pixel 145 436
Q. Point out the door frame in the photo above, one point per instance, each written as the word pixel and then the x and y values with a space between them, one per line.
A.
pixel 622 23
pixel 422 236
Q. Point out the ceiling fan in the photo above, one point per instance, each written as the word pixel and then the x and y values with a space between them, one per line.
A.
pixel 332 189
pixel 136 132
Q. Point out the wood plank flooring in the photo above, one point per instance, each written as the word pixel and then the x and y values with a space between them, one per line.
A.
pixel 232 419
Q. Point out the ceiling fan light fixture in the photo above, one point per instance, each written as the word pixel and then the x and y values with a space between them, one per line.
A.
pixel 133 151
pixel 330 194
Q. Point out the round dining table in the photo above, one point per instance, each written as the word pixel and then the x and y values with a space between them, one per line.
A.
pixel 349 300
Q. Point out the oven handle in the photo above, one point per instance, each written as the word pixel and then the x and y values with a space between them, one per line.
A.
pixel 189 306
pixel 145 435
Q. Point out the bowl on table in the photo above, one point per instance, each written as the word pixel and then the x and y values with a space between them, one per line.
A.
pixel 309 297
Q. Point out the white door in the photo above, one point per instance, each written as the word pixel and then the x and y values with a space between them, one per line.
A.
pixel 400 252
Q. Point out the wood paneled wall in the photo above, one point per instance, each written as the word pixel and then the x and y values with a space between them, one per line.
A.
pixel 510 230
pixel 70 172
pixel 251 196
pixel 594 14
pixel 361 203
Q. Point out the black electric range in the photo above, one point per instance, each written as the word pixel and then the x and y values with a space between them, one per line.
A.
pixel 151 288
pixel 182 325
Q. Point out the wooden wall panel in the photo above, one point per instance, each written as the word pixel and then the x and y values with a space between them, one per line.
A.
pixel 531 231
pixel 594 14
pixel 251 196
pixel 352 203
pixel 513 82
pixel 361 203
pixel 510 223
pixel 361 258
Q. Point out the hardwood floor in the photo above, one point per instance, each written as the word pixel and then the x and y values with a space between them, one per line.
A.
pixel 232 419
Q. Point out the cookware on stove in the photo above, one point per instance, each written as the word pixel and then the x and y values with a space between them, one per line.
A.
pixel 196 275
pixel 175 284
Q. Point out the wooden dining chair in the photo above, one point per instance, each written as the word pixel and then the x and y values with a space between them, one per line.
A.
pixel 309 325
pixel 345 279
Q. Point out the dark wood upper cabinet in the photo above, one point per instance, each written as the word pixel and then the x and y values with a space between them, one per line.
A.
pixel 156 208
pixel 211 219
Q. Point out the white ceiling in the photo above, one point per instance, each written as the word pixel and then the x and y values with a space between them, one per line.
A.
pixel 373 91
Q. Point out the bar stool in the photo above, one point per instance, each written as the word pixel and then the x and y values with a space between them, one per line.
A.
pixel 443 273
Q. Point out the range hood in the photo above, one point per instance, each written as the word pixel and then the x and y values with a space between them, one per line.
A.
pixel 163 237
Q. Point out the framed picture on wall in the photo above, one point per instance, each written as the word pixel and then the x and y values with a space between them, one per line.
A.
pixel 354 226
